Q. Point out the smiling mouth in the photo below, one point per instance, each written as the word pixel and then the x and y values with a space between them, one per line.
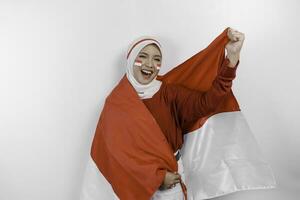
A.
pixel 146 73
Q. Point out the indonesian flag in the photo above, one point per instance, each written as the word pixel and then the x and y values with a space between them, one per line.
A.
pixel 220 153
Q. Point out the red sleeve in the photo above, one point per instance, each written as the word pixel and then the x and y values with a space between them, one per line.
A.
pixel 191 105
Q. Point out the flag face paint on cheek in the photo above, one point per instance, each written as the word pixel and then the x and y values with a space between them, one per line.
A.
pixel 138 63
pixel 158 66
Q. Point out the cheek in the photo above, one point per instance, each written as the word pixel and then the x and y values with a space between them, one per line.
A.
pixel 158 66
pixel 135 70
pixel 156 71
pixel 138 63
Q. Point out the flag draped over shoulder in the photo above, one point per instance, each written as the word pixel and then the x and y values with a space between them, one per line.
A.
pixel 129 152
pixel 129 147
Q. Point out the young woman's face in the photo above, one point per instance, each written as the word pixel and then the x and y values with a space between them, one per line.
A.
pixel 147 64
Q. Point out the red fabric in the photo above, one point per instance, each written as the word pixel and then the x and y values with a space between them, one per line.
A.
pixel 199 72
pixel 129 147
pixel 175 108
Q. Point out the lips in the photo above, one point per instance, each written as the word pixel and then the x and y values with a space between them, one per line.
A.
pixel 147 72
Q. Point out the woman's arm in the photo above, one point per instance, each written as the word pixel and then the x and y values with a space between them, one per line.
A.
pixel 191 104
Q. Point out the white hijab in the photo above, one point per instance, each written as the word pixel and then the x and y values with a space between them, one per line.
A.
pixel 143 90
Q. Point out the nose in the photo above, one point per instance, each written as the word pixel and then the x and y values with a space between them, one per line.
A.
pixel 149 63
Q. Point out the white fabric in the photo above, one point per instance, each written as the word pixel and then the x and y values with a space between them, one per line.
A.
pixel 223 157
pixel 144 90
pixel 95 186
pixel 219 158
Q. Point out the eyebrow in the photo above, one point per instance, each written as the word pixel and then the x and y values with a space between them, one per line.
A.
pixel 148 54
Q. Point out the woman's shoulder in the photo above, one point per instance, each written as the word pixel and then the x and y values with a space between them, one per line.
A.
pixel 168 87
pixel 173 87
pixel 174 91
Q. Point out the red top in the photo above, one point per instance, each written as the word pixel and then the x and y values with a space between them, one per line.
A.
pixel 175 106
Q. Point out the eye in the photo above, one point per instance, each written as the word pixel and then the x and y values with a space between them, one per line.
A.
pixel 157 59
pixel 142 56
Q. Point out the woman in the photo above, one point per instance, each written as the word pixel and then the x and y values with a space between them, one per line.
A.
pixel 140 132
pixel 173 106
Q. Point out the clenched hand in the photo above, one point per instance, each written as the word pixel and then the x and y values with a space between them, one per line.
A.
pixel 234 46
pixel 170 180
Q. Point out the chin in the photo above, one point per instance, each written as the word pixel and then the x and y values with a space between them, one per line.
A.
pixel 144 81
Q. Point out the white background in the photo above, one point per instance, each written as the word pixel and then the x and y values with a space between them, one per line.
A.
pixel 60 58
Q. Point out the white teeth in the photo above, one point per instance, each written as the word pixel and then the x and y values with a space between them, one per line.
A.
pixel 146 71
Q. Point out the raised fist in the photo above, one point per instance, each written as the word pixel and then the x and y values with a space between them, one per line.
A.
pixel 234 46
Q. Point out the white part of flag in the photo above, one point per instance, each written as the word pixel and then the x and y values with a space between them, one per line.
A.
pixel 219 158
